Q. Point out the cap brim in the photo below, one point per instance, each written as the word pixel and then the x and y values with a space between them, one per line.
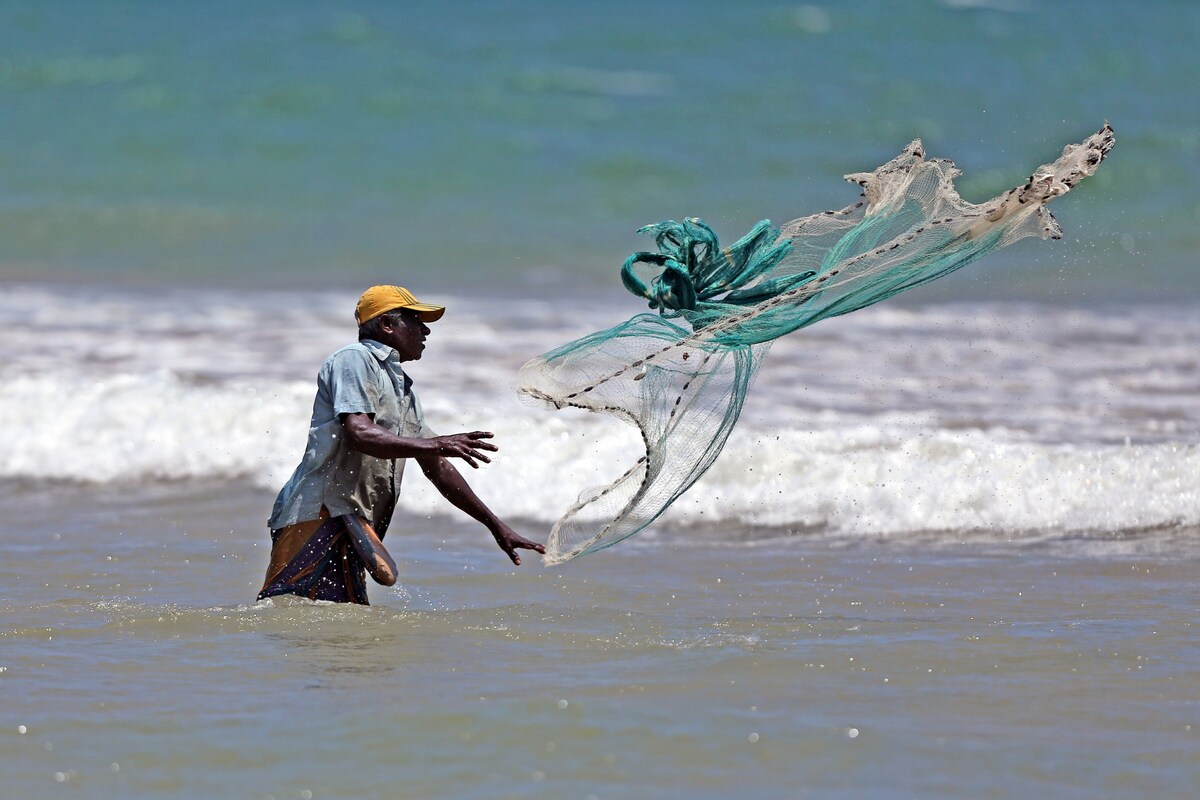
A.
pixel 427 312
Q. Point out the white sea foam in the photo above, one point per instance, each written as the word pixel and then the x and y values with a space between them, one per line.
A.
pixel 850 478
pixel 879 481
pixel 995 418
pixel 155 426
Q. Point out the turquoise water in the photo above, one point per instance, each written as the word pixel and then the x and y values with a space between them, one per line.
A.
pixel 326 144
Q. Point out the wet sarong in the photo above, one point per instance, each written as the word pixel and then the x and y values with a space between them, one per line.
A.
pixel 317 560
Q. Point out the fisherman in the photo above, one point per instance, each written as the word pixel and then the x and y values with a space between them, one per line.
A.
pixel 330 518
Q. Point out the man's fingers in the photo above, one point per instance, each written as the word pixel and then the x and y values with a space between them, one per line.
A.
pixel 511 553
pixel 470 446
pixel 509 540
pixel 470 453
pixel 476 440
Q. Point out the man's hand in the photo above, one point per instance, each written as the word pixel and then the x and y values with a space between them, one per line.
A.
pixel 450 483
pixel 466 446
pixel 510 541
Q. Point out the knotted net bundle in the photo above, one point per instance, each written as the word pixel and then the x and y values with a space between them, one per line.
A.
pixel 681 375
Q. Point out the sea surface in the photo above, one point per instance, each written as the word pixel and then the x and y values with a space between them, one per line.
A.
pixel 949 551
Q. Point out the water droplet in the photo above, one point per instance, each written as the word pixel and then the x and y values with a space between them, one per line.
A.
pixel 563 704
pixel 21 729
pixel 852 733
pixel 752 738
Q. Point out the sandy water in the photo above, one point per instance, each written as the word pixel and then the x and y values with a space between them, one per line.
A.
pixel 696 663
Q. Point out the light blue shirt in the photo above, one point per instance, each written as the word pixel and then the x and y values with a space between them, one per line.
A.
pixel 361 378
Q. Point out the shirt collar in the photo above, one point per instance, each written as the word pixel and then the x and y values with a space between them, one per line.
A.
pixel 380 350
pixel 386 355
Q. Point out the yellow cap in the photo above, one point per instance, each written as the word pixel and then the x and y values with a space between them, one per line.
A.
pixel 380 299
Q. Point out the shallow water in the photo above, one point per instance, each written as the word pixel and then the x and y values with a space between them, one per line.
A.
pixel 692 663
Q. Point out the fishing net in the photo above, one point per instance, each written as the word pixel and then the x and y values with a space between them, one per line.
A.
pixel 681 375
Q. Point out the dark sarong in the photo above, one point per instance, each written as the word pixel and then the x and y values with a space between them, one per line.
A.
pixel 316 559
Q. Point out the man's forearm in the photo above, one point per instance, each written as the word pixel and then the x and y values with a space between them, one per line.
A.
pixel 374 440
pixel 365 436
pixel 450 482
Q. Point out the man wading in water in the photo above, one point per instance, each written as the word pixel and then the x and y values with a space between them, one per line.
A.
pixel 329 519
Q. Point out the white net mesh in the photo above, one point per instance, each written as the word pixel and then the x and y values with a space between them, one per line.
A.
pixel 682 385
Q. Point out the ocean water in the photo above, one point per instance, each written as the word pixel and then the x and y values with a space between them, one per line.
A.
pixel 950 550
pixel 135 666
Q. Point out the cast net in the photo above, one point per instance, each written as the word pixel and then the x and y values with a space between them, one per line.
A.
pixel 681 375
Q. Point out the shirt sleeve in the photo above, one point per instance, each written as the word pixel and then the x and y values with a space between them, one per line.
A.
pixel 353 382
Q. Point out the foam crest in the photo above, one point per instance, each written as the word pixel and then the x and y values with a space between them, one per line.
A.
pixel 887 477
pixel 147 427
pixel 880 481
pixel 872 480
pixel 943 418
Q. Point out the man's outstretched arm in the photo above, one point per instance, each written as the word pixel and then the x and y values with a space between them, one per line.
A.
pixel 450 483
pixel 365 436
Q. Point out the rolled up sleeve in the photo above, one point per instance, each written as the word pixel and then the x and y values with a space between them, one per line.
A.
pixel 353 383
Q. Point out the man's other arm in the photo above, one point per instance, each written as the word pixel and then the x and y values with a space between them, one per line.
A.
pixel 450 483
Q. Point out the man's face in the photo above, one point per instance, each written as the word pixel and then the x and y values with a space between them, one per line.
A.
pixel 406 333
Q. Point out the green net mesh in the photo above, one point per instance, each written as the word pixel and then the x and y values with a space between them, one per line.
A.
pixel 681 376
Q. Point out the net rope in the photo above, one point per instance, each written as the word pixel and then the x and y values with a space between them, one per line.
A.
pixel 681 376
